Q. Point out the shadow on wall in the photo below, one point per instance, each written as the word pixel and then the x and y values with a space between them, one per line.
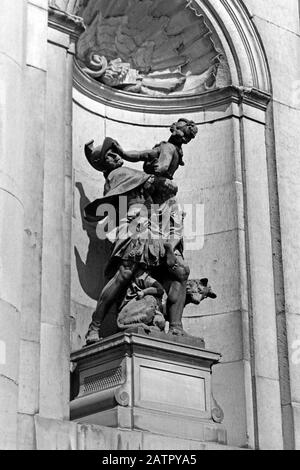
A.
pixel 91 272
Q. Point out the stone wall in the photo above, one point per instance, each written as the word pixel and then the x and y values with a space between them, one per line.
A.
pixel 36 194
pixel 12 61
pixel 278 25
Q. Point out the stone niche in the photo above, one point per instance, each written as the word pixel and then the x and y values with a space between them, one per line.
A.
pixel 208 179
pixel 151 47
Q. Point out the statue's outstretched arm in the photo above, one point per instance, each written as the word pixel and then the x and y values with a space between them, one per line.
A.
pixel 134 156
pixel 137 156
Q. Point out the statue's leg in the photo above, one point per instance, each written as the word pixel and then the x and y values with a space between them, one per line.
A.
pixel 177 296
pixel 107 297
pixel 175 306
pixel 171 258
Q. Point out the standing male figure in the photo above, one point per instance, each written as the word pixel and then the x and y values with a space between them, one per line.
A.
pixel 136 250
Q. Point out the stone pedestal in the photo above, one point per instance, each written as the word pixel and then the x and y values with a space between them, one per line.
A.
pixel 147 383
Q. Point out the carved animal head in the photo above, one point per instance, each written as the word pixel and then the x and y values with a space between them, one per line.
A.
pixel 198 290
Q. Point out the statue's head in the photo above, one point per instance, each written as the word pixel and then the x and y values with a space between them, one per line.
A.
pixel 183 131
pixel 104 158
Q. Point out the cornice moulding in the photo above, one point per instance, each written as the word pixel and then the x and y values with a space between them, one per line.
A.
pixel 65 22
pixel 165 105
pixel 245 44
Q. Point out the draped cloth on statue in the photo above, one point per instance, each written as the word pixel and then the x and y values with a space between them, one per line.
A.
pixel 143 228
pixel 119 182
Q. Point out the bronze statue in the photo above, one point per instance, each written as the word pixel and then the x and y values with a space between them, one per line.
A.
pixel 140 243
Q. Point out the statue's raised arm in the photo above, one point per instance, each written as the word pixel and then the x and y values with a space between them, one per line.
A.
pixel 166 157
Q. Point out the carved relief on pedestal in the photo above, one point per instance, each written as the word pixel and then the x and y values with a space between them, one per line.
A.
pixel 217 413
pixel 152 47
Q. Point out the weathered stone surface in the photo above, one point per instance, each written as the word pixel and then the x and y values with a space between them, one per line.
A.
pixel 59 38
pixel 154 442
pixel 12 36
pixel 289 416
pixel 80 320
pixel 11 244
pixel 260 256
pixel 209 160
pixel 282 44
pixel 282 47
pixel 269 416
pixel 8 413
pixel 55 282
pixel 283 15
pixel 92 437
pixel 184 340
pixel 55 435
pixel 52 310
pixel 35 80
pixel 249 404
pixel 9 321
pixel 54 372
pixel 293 328
pixel 36 53
pixel 219 214
pixel 26 432
pixel 59 435
pixel 228 390
pixel 119 115
pixel 29 377
pixel 217 256
pixel 296 412
pixel 40 3
pixel 221 332
pixel 288 141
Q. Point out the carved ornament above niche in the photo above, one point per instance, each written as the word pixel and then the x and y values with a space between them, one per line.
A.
pixel 151 47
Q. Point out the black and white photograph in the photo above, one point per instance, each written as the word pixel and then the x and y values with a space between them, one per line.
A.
pixel 149 228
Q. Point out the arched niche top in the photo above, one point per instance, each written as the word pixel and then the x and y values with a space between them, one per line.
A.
pixel 241 42
pixel 233 33
pixel 151 47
